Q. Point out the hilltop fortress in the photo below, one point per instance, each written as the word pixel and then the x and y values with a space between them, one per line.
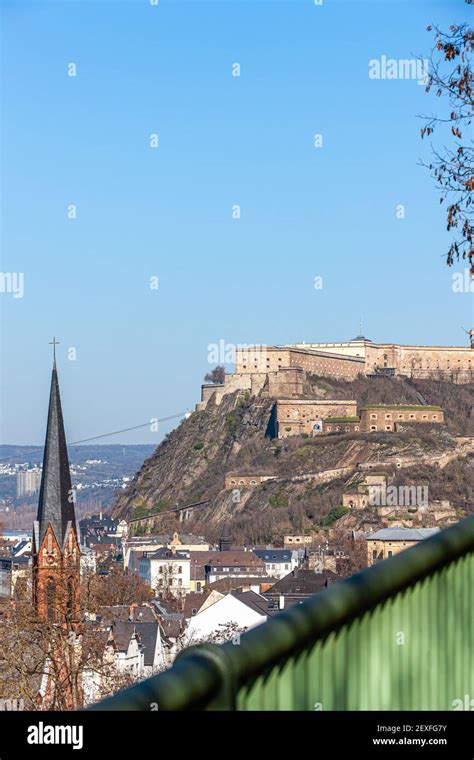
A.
pixel 280 371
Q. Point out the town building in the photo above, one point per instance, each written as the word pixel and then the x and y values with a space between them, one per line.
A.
pixel 166 571
pixel 227 617
pixel 388 542
pixel 28 482
pixel 298 586
pixel 135 547
pixel 278 562
pixel 236 563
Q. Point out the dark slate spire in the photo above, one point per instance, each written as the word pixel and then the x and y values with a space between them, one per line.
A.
pixel 55 504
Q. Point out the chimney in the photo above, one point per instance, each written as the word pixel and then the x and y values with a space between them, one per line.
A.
pixel 281 602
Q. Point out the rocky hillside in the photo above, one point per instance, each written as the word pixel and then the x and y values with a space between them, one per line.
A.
pixel 190 464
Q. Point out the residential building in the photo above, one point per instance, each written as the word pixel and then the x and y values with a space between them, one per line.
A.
pixel 298 586
pixel 166 571
pixel 278 562
pixel 387 542
pixel 228 616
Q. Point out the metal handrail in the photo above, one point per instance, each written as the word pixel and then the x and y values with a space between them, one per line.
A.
pixel 209 676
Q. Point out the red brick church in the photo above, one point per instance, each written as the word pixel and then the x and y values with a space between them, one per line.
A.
pixel 56 553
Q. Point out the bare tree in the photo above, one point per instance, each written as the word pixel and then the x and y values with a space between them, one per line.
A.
pixel 118 587
pixel 452 168
pixel 217 375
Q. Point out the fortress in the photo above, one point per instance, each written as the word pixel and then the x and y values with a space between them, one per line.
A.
pixel 279 371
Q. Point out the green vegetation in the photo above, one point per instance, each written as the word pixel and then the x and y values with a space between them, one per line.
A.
pixel 342 419
pixel 333 515
pixel 407 407
pixel 198 446
pixel 278 500
pixel 304 451
pixel 143 511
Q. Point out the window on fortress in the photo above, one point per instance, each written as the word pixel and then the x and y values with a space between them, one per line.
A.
pixel 424 416
pixel 373 416
pixel 373 427
pixel 412 416
pixel 400 416
pixel 435 416
pixel 388 416
pixel 356 427
pixel 387 427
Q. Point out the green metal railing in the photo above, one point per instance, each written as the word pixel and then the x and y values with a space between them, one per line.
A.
pixel 396 636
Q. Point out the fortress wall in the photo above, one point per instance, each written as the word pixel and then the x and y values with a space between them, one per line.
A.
pixel 328 365
pixel 375 419
pixel 297 417
pixel 287 383
pixel 273 359
pixel 350 348
pixel 435 357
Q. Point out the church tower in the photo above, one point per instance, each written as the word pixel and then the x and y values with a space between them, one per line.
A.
pixel 56 554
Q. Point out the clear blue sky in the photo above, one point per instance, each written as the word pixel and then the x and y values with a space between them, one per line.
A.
pixel 166 212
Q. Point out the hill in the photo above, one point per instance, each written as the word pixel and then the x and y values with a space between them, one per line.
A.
pixel 190 464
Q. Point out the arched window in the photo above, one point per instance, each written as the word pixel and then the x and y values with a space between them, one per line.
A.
pixel 70 599
pixel 50 600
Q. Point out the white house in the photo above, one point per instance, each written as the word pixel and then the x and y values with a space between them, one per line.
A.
pixel 235 612
pixel 132 652
pixel 278 562
pixel 166 570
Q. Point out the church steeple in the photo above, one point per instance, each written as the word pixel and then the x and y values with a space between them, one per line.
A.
pixel 56 505
pixel 56 553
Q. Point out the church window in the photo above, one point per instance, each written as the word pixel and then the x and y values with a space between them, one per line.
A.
pixel 50 599
pixel 70 599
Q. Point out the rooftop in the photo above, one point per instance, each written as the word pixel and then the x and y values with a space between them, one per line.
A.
pixel 402 534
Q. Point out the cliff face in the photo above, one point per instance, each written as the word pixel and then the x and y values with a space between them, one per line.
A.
pixel 190 464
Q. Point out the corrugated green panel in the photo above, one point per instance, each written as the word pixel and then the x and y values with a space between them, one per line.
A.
pixel 413 652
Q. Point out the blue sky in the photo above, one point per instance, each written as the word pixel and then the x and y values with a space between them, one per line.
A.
pixel 167 212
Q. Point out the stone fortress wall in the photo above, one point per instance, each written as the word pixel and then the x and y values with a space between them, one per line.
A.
pixel 279 371
pixel 294 417
pixel 384 417
pixel 413 361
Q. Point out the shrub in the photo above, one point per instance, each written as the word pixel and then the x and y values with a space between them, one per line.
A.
pixel 333 515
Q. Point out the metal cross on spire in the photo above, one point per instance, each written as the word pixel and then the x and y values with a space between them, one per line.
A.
pixel 54 343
